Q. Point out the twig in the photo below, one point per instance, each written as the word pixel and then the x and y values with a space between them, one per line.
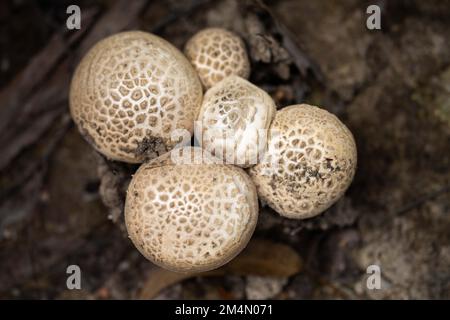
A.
pixel 421 200
pixel 302 61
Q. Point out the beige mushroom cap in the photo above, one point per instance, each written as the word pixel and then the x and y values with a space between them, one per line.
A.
pixel 309 163
pixel 234 120
pixel 190 217
pixel 217 53
pixel 130 91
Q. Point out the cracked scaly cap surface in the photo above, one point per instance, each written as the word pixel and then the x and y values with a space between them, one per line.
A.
pixel 235 117
pixel 190 217
pixel 217 53
pixel 130 91
pixel 309 163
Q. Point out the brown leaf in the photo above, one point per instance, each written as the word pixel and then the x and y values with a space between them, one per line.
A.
pixel 261 257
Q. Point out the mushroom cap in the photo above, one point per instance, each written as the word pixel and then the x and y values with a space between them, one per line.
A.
pixel 130 91
pixel 190 217
pixel 309 163
pixel 235 117
pixel 217 53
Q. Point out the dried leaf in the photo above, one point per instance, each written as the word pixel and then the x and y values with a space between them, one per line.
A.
pixel 261 258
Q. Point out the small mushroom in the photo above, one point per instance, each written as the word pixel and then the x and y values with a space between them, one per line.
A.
pixel 309 163
pixel 217 53
pixel 130 92
pixel 191 216
pixel 234 120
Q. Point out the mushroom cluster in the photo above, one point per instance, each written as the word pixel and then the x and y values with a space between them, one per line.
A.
pixel 192 209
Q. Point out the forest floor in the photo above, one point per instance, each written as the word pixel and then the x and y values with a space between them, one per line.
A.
pixel 391 87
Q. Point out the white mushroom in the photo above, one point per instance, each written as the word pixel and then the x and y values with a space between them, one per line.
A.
pixel 130 92
pixel 234 120
pixel 217 53
pixel 309 163
pixel 190 217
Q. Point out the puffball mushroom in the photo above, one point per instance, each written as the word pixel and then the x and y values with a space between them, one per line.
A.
pixel 234 120
pixel 309 163
pixel 217 53
pixel 190 217
pixel 130 91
